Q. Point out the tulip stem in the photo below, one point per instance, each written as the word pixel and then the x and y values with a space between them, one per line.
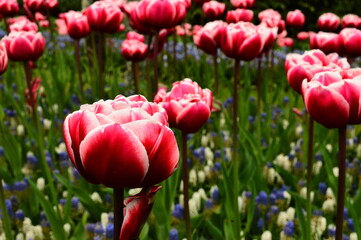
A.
pixel 185 49
pixel 259 84
pixel 147 66
pixel 6 25
pixel 309 174
pixel 215 66
pixel 6 219
pixel 101 65
pixel 135 69
pixel 341 181
pixel 78 66
pixel 155 64
pixel 118 195
pixel 185 185
pixel 235 107
pixel 175 56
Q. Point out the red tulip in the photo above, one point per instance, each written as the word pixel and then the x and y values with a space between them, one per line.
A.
pixel 134 50
pixel 351 21
pixel 333 101
pixel 268 36
pixel 299 67
pixel 147 13
pixel 243 3
pixel 213 9
pixel 119 3
pixel 35 5
pixel 136 24
pixel 9 8
pixel 135 36
pixel 3 58
pixel 104 17
pixel 209 37
pixel 269 13
pixel 295 19
pixel 23 25
pixel 326 41
pixel 328 22
pixel 303 36
pixel 136 212
pixel 128 7
pixel 24 46
pixel 61 26
pixel 51 4
pixel 76 24
pixel 184 30
pixel 239 15
pixel 350 73
pixel 351 41
pixel 187 104
pixel 241 41
pixel 284 42
pixel 121 143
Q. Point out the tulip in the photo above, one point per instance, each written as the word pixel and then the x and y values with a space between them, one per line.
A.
pixel 35 5
pixel 3 58
pixel 23 25
pixel 121 143
pixel 303 36
pixel 326 41
pixel 328 22
pixel 285 42
pixel 351 41
pixel 24 46
pixel 104 17
pixel 268 36
pixel 295 19
pixel 209 37
pixel 351 21
pixel 51 4
pixel 213 9
pixel 9 8
pixel 239 15
pixel 135 23
pixel 119 3
pixel 76 24
pixel 135 36
pixel 185 30
pixel 268 13
pixel 243 3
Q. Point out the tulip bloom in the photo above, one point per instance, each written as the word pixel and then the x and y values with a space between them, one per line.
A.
pixel 121 143
pixel 328 22
pixel 213 9
pixel 351 41
pixel 119 3
pixel 326 41
pixel 23 25
pixel 135 36
pixel 268 36
pixel 3 59
pixel 209 37
pixel 351 21
pixel 243 3
pixel 303 36
pixel 295 19
pixel 187 104
pixel 268 13
pixel 239 15
pixel 9 8
pixel 24 46
pixel 76 24
pixel 35 5
pixel 333 101
pixel 104 17
pixel 299 67
pixel 134 50
pixel 241 41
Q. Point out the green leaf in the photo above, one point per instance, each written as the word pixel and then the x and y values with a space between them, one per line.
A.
pixel 213 230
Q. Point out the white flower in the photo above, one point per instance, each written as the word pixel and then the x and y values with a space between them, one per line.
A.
pixel 207 170
pixel 291 213
pixel 27 224
pixel 318 225
pixel 285 124
pixel 329 193
pixel 60 148
pixel 329 205
pixel 197 200
pixel 193 211
pixel 201 176
pixel 208 154
pixel 40 183
pixel 329 147
pixel 202 193
pixel 134 191
pixel 353 236
pixel 303 193
pixel 204 140
pixel 29 235
pixel 20 130
pixel 38 232
pixel 47 124
pixel 266 235
pixel 299 130
pixel 193 177
pixel 283 161
pixel 19 236
pixel 287 196
pixel 316 168
pixel 67 228
pixel 96 197
pixel 104 219
pixel 335 171
pixel 241 204
pixel 55 108
pixel 282 219
pixel 181 199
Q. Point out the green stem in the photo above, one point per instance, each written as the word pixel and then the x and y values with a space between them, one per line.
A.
pixel 155 64
pixel 235 106
pixel 341 181
pixel 185 185
pixel 6 219
pixel 78 66
pixel 135 69
pixel 309 174
pixel 147 66
pixel 101 65
pixel 259 85
pixel 175 56
pixel 118 195
pixel 215 68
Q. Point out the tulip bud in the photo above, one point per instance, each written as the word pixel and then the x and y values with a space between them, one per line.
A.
pixel 239 15
pixel 213 9
pixel 76 24
pixel 9 8
pixel 328 22
pixel 3 58
pixel 295 19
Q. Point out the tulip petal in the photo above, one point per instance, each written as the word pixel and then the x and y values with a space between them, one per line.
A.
pixel 192 118
pixel 114 156
pixel 161 146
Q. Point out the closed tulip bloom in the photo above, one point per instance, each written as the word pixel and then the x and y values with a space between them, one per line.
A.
pixel 299 67
pixel 77 24
pixel 36 5
pixel 303 36
pixel 23 25
pixel 351 21
pixel 134 50
pixel 208 38
pixel 326 41
pixel 187 104
pixel 213 9
pixel 295 19
pixel 268 36
pixel 104 17
pixel 24 46
pixel 3 58
pixel 328 22
pixel 52 4
pixel 269 13
pixel 331 100
pixel 285 42
pixel 135 36
pixel 241 41
pixel 239 15
pixel 121 143
pixel 243 3
pixel 351 41
pixel 61 26
pixel 137 25
pixel 119 3
pixel 147 12
pixel 9 8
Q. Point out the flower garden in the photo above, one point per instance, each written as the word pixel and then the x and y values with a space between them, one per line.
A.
pixel 172 119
